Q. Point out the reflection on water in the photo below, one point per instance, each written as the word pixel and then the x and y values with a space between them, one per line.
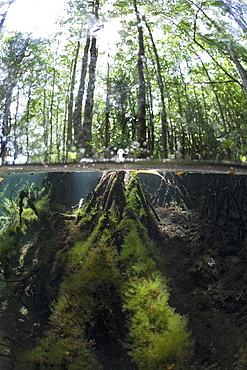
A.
pixel 201 249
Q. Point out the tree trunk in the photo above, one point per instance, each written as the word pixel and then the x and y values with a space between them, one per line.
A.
pixel 51 111
pixel 240 68
pixel 6 122
pixel 71 98
pixel 28 123
pixel 44 115
pixel 107 109
pixel 86 139
pixel 142 86
pixel 151 118
pixel 58 135
pixel 77 117
pixel 15 141
pixel 217 99
pixel 164 122
pixel 88 111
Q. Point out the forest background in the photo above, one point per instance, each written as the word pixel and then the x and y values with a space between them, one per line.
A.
pixel 167 80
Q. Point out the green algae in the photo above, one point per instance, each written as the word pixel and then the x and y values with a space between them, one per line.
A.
pixel 112 280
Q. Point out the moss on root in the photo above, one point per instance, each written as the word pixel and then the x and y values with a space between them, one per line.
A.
pixel 112 293
pixel 158 334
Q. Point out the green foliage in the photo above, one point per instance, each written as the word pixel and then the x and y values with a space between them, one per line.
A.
pixel 201 81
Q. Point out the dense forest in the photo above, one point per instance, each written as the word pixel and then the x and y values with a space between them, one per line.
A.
pixel 159 79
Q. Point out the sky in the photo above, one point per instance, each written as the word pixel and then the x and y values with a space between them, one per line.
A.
pixel 38 17
pixel 34 16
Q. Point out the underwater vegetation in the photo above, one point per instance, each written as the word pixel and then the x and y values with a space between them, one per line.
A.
pixel 92 285
pixel 19 208
pixel 112 294
pixel 159 336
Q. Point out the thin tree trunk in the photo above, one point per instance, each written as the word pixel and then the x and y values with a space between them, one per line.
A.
pixel 58 131
pixel 199 113
pixel 207 119
pixel 6 122
pixel 107 109
pixel 65 148
pixel 217 99
pixel 71 97
pixel 16 123
pixel 180 147
pixel 189 112
pixel 151 117
pixel 28 122
pixel 51 111
pixel 88 111
pixel 240 68
pixel 142 129
pixel 164 122
pixel 46 158
pixel 77 117
pixel 223 118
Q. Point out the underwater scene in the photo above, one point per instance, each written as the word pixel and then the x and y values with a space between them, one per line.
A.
pixel 123 270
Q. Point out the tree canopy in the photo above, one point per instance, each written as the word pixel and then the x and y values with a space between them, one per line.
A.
pixel 163 79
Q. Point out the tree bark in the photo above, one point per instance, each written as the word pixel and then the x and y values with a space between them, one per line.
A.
pixel 164 122
pixel 52 94
pixel 71 98
pixel 88 111
pixel 142 129
pixel 77 117
pixel 240 68
pixel 150 117
pixel 45 136
pixel 107 109
pixel 28 123
pixel 6 122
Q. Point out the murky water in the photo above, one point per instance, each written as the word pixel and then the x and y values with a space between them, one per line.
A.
pixel 203 222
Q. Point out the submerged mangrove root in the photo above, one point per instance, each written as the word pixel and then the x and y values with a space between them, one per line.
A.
pixel 113 298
